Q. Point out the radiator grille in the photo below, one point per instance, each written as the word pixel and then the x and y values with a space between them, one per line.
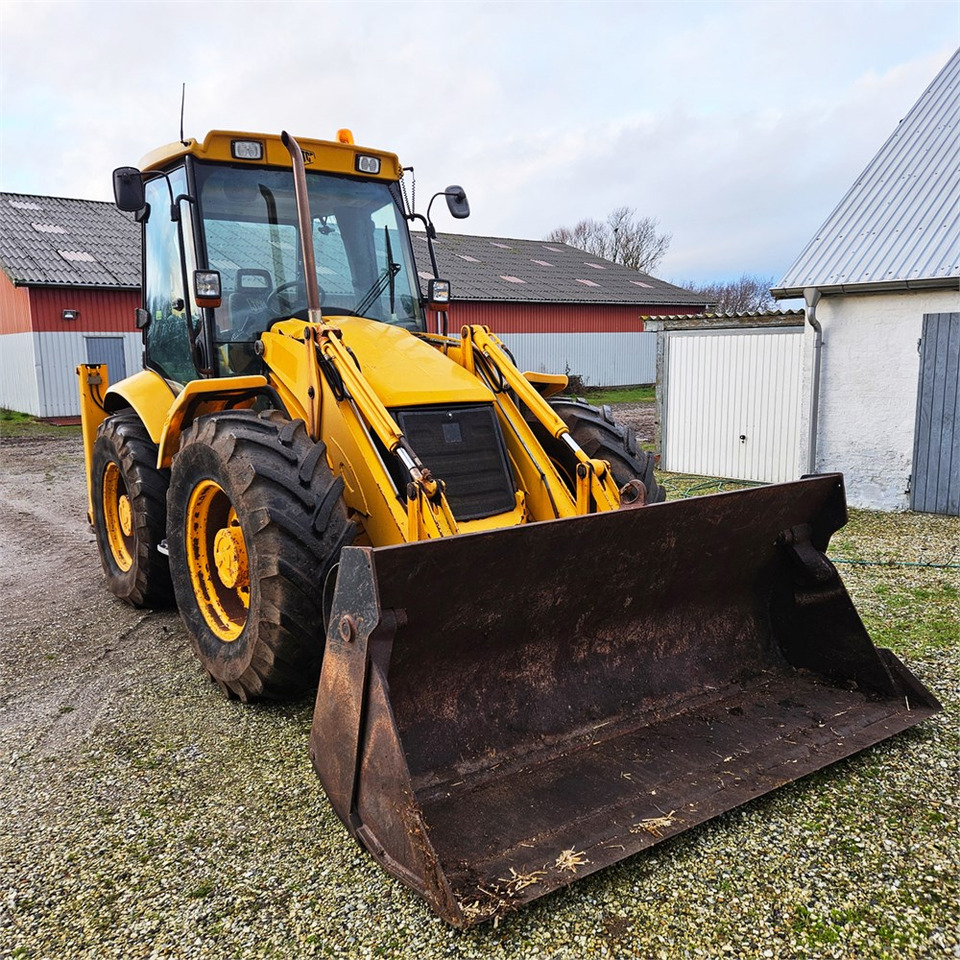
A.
pixel 463 446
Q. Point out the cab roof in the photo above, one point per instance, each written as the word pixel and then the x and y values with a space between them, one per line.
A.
pixel 218 146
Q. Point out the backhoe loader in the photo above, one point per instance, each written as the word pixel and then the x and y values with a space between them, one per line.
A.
pixel 528 666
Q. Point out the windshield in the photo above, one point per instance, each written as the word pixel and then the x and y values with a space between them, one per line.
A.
pixel 364 262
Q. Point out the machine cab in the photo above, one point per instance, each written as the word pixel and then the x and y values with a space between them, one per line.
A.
pixel 222 251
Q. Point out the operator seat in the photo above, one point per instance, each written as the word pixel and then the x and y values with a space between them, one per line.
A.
pixel 248 308
pixel 248 304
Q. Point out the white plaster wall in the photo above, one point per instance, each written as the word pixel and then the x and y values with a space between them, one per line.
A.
pixel 868 390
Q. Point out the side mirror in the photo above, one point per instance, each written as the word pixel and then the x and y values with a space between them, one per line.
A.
pixel 457 202
pixel 128 189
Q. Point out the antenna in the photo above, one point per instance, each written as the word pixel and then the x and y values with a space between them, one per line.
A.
pixel 183 100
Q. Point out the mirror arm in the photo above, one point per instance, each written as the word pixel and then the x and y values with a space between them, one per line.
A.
pixel 431 233
pixel 175 203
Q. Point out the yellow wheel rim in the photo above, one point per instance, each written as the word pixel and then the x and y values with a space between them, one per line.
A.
pixel 217 560
pixel 118 518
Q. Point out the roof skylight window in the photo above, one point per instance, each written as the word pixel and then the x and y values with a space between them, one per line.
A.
pixel 513 279
pixel 587 283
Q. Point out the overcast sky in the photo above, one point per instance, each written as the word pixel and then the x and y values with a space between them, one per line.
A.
pixel 739 126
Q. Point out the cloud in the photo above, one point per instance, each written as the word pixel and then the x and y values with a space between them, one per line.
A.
pixel 738 125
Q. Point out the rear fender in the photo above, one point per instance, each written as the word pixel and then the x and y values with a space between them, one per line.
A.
pixel 147 393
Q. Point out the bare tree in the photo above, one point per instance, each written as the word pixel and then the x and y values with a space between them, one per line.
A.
pixel 623 238
pixel 748 294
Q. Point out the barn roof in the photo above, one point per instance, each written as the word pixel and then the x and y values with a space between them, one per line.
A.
pixel 899 225
pixel 54 241
pixel 540 271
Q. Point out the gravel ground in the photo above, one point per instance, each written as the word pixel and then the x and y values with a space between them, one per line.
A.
pixel 640 416
pixel 143 815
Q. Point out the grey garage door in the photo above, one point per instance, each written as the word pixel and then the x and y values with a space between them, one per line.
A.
pixel 108 350
pixel 936 452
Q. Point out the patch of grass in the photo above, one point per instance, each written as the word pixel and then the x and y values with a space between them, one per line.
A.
pixel 909 613
pixel 681 485
pixel 16 424
pixel 14 416
pixel 642 393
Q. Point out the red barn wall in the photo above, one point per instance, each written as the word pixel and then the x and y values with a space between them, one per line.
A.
pixel 101 311
pixel 553 318
pixel 14 307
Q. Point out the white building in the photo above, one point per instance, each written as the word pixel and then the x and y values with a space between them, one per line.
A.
pixel 881 278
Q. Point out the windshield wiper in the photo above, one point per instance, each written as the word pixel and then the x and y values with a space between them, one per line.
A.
pixel 386 279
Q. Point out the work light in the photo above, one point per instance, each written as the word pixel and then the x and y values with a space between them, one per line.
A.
pixel 368 164
pixel 246 149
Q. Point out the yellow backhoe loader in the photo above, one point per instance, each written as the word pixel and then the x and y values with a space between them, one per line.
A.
pixel 523 658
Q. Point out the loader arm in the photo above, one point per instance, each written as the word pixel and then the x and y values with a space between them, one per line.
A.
pixel 313 368
pixel 483 354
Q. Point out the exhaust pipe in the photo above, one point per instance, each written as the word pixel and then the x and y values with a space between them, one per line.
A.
pixel 306 228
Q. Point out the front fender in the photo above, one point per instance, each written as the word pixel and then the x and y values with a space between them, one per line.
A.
pixel 207 396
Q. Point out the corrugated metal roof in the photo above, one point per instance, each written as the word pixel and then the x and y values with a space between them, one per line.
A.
pixel 899 225
pixel 46 241
pixel 541 271
pixel 759 315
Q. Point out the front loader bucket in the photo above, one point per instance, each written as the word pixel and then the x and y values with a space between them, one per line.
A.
pixel 502 713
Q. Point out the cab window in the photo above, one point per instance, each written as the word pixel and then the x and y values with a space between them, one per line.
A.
pixel 167 337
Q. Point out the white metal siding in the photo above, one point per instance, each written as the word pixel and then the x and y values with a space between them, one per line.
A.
pixel 58 355
pixel 732 403
pixel 599 359
pixel 18 380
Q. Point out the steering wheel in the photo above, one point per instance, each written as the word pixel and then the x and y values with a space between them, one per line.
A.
pixel 283 300
pixel 290 298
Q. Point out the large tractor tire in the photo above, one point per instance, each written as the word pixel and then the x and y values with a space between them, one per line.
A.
pixel 130 511
pixel 256 520
pixel 601 437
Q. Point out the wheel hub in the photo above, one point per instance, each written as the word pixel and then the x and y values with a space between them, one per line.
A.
pixel 217 561
pixel 125 515
pixel 117 517
pixel 230 556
